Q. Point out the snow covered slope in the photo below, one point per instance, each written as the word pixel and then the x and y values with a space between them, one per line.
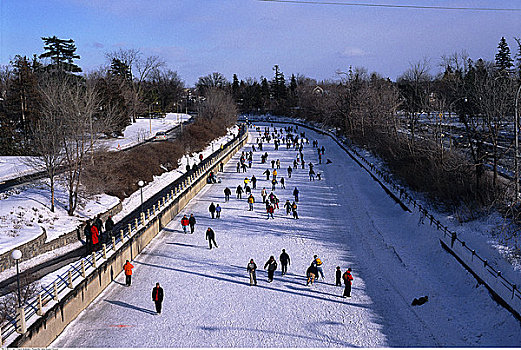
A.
pixel 348 220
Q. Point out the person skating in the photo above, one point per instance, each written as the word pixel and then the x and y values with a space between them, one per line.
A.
pixel 218 211
pixel 271 264
pixel 282 183
pixel 287 205
pixel 284 262
pixel 290 170
pixel 295 194
pixel 128 273
pixel 192 222
pixel 238 167
pixel 247 190
pixel 253 182
pixel 251 200
pixel 347 277
pixel 210 237
pixel 319 264
pixel 267 173
pixel 251 268
pixel 270 211
pixel 239 192
pixel 294 210
pixel 274 173
pixel 184 223
pixel 278 163
pixel 273 184
pixel 311 175
pixel 211 209
pixel 338 276
pixel 157 297
pixel 311 273
pixel 264 194
pixel 227 194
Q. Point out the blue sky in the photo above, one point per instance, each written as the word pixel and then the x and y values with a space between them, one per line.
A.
pixel 248 37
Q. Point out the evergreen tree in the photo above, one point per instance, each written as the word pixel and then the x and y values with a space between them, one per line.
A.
pixel 518 57
pixel 235 87
pixel 293 84
pixel 62 54
pixel 278 84
pixel 120 69
pixel 504 61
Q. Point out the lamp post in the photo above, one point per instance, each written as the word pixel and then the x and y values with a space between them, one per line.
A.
pixel 141 184
pixel 17 255
pixel 516 146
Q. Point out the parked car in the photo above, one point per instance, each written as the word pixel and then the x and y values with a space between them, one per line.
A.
pixel 160 136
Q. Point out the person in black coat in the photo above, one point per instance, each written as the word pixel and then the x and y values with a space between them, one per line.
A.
pixel 88 236
pixel 157 297
pixel 227 193
pixel 109 225
pixel 271 264
pixel 210 237
pixel 311 273
pixel 284 261
pixel 98 223
pixel 192 223
pixel 212 210
pixel 338 276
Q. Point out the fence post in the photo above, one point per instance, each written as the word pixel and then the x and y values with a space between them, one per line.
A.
pixel 21 325
pixel 148 213
pixel 94 260
pixel 136 222
pixel 143 219
pixel 129 228
pixel 154 208
pixel 55 291
pixel 122 235
pixel 114 243
pixel 83 274
pixel 104 246
pixel 39 312
pixel 69 279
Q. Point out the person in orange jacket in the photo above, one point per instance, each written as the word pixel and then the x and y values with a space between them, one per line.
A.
pixel 128 272
pixel 95 237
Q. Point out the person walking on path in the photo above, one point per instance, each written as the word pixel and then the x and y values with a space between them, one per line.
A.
pixel 184 223
pixel 251 268
pixel 227 194
pixel 251 200
pixel 295 194
pixel 211 209
pixel 294 210
pixel 311 175
pixel 311 273
pixel 99 224
pixel 192 223
pixel 271 264
pixel 290 170
pixel 253 182
pixel 128 273
pixel 282 184
pixel 239 192
pixel 284 262
pixel 278 163
pixel 273 184
pixel 210 237
pixel 338 276
pixel 318 263
pixel 94 237
pixel 109 226
pixel 347 277
pixel 157 297
pixel 267 173
pixel 88 236
pixel 218 211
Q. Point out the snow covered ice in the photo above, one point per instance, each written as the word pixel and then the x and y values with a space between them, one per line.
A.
pixel 349 221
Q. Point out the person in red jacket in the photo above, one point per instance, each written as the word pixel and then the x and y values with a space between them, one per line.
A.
pixel 347 277
pixel 95 237
pixel 270 210
pixel 157 297
pixel 128 272
pixel 184 223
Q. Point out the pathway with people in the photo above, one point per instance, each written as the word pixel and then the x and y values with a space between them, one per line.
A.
pixel 344 218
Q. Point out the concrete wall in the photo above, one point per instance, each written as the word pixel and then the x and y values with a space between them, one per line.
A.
pixel 47 327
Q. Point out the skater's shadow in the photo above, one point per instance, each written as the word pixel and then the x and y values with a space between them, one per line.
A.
pixel 186 245
pixel 129 306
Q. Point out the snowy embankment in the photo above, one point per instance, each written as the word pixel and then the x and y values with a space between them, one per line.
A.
pixel 349 221
pixel 25 212
pixel 142 130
